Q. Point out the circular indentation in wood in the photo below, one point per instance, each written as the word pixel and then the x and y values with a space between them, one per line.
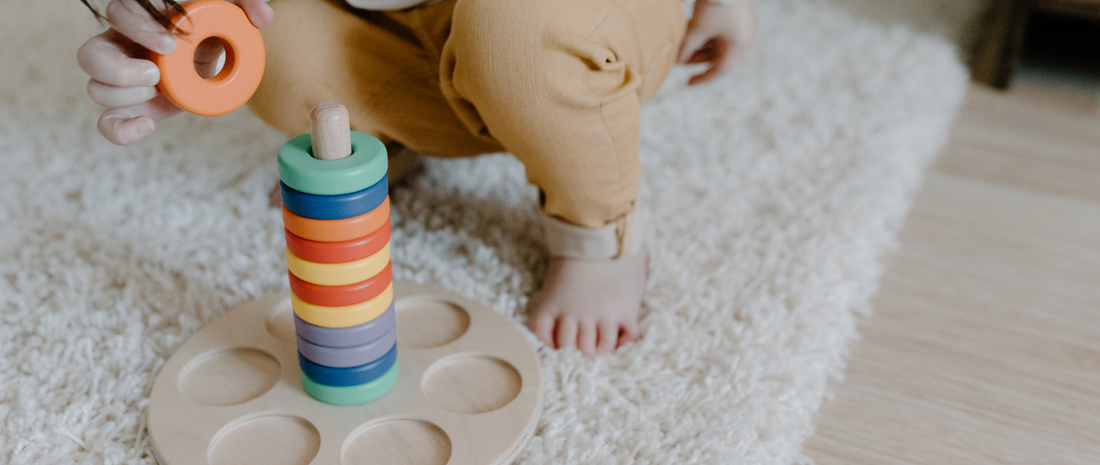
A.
pixel 228 376
pixel 429 322
pixel 398 442
pixel 266 440
pixel 280 322
pixel 471 384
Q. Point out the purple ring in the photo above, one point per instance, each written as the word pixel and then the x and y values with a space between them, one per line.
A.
pixel 349 336
pixel 343 357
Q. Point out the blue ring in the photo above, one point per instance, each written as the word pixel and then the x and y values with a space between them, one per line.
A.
pixel 335 207
pixel 352 376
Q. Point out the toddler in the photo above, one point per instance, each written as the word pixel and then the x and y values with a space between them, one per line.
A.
pixel 558 83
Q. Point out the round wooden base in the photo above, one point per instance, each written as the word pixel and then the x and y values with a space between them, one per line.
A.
pixel 469 392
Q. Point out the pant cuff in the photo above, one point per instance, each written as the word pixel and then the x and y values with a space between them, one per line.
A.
pixel 618 239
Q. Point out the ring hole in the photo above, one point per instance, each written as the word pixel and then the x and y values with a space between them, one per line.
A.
pixel 309 150
pixel 213 58
pixel 425 322
pixel 398 441
pixel 230 376
pixel 471 384
pixel 272 439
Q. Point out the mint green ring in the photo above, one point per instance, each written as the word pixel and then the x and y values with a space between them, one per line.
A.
pixel 363 168
pixel 352 395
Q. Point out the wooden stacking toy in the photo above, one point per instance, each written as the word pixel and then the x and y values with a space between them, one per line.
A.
pixel 469 392
pixel 336 213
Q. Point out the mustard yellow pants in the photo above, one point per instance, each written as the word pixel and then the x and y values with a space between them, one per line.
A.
pixel 558 83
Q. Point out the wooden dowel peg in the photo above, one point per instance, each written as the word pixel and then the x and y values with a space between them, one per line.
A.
pixel 330 131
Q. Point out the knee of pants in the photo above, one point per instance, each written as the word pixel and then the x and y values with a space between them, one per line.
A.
pixel 530 74
pixel 532 56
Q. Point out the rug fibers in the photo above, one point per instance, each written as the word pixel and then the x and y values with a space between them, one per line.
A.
pixel 772 193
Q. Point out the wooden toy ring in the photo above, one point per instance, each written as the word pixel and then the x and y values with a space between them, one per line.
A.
pixel 347 357
pixel 350 336
pixel 338 274
pixel 353 395
pixel 340 296
pixel 363 168
pixel 351 376
pixel 339 252
pixel 337 230
pixel 335 207
pixel 244 59
pixel 342 317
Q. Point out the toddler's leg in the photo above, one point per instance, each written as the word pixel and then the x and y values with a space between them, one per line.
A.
pixel 379 64
pixel 559 83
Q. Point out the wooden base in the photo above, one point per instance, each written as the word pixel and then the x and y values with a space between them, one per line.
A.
pixel 469 392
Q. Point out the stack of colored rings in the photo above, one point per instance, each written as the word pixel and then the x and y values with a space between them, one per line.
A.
pixel 336 214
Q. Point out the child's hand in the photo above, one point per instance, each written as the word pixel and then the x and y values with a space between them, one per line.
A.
pixel 124 80
pixel 719 35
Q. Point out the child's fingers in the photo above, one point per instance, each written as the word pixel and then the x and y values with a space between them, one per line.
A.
pixel 131 20
pixel 258 12
pixel 115 97
pixel 719 64
pixel 124 126
pixel 106 59
pixel 703 55
pixel 693 41
pixel 120 130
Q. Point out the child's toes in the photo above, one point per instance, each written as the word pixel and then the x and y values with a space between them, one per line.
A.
pixel 608 338
pixel 629 333
pixel 543 327
pixel 586 338
pixel 566 334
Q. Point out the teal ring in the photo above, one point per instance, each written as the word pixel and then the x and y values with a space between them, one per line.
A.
pixel 352 395
pixel 363 168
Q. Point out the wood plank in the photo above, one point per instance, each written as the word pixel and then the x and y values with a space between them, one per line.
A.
pixel 1038 139
pixel 985 342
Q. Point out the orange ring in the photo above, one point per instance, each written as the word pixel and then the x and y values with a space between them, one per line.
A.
pixel 244 59
pixel 337 230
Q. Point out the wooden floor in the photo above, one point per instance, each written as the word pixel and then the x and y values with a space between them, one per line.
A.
pixel 984 346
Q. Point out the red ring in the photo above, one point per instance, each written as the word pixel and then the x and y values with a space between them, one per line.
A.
pixel 340 296
pixel 338 252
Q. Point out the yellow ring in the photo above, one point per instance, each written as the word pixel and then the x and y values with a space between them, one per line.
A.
pixel 343 317
pixel 338 274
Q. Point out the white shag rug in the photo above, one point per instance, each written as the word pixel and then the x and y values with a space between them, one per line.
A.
pixel 773 193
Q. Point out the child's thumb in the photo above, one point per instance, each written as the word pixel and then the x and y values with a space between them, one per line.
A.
pixel 693 41
pixel 258 11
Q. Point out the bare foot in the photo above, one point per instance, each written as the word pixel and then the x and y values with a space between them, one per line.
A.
pixel 591 305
